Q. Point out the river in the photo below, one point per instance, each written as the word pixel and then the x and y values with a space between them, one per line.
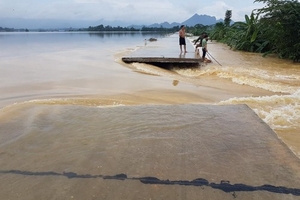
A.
pixel 54 87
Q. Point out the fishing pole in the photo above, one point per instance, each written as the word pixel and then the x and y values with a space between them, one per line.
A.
pixel 214 58
pixel 209 57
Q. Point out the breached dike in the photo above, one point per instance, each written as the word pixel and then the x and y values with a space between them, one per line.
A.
pixel 165 62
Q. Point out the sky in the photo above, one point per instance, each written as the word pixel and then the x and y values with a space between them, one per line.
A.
pixel 132 11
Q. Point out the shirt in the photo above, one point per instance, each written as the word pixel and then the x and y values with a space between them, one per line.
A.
pixel 204 43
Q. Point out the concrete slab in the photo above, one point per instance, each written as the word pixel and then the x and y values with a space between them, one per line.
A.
pixel 165 53
pixel 167 47
pixel 165 62
pixel 158 152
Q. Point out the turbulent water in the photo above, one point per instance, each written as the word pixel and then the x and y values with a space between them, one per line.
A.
pixel 281 111
pixel 84 69
pixel 78 123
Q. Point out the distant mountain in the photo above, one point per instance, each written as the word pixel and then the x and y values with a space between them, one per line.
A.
pixel 165 25
pixel 200 19
pixel 192 21
pixel 18 23
pixel 156 25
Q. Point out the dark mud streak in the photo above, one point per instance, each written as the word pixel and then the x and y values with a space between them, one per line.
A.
pixel 223 185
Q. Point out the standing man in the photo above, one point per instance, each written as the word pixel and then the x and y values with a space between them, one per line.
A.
pixel 182 39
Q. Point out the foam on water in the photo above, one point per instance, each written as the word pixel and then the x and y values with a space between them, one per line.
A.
pixel 279 111
pixel 148 69
pixel 255 77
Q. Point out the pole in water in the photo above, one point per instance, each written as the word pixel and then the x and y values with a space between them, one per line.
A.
pixel 209 57
pixel 214 58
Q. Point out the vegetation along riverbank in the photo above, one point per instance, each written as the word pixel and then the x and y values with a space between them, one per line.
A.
pixel 273 29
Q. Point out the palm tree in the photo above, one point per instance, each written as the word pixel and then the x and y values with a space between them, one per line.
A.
pixel 244 33
pixel 227 19
pixel 218 32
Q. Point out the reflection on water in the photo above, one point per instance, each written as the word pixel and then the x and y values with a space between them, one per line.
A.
pixel 175 82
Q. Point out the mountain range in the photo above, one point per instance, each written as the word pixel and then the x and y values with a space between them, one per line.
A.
pixel 19 23
pixel 192 21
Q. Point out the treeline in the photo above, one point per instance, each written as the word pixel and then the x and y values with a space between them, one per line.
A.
pixel 13 30
pixel 119 28
pixel 161 29
pixel 108 28
pixel 6 29
pixel 273 29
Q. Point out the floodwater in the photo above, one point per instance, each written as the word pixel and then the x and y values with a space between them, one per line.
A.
pixel 55 88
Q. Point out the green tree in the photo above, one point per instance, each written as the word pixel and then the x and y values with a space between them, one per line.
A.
pixel 221 29
pixel 227 19
pixel 198 29
pixel 218 32
pixel 245 35
pixel 281 22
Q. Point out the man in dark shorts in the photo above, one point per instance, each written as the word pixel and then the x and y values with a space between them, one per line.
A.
pixel 182 38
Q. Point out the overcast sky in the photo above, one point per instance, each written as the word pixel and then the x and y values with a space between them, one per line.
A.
pixel 134 11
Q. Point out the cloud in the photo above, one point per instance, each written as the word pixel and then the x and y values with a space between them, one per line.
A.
pixel 132 11
pixel 135 11
pixel 87 1
pixel 239 9
pixel 217 9
pixel 138 11
pixel 125 10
